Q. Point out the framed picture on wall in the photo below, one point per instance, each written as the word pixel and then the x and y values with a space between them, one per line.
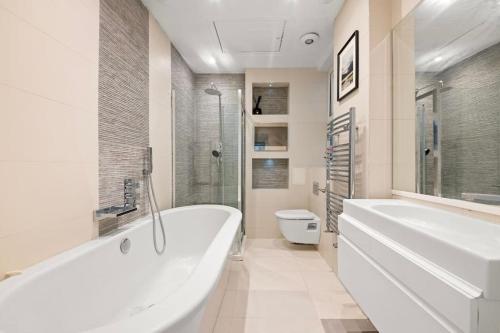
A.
pixel 348 67
pixel 331 93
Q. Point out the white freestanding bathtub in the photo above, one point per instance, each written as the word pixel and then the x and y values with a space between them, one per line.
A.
pixel 417 269
pixel 97 288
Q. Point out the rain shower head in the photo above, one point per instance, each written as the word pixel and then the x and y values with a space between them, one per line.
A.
pixel 213 90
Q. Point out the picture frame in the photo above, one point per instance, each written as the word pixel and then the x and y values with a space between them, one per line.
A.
pixel 348 67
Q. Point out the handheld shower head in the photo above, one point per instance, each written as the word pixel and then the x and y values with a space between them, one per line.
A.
pixel 148 162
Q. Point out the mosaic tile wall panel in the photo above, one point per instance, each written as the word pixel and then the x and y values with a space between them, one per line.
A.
pixel 185 129
pixel 470 118
pixel 123 101
pixel 426 114
pixel 274 99
pixel 271 173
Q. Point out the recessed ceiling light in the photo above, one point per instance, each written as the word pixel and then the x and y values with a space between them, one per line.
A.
pixel 438 59
pixel 210 60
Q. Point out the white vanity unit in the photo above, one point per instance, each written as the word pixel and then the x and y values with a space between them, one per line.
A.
pixel 417 269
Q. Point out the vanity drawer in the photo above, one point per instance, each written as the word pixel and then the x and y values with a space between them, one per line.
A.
pixel 454 299
pixel 389 304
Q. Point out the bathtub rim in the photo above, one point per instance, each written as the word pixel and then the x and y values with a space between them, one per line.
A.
pixel 184 301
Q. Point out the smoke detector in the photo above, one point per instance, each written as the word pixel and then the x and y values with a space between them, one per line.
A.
pixel 309 38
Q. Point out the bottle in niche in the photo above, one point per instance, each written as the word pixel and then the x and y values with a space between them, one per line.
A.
pixel 257 109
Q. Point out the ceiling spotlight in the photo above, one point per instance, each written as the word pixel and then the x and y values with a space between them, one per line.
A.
pixel 210 60
pixel 309 38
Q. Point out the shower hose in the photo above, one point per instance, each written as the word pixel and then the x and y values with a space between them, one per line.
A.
pixel 152 198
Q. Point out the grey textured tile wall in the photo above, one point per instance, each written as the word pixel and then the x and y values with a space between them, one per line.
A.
pixel 271 173
pixel 198 176
pixel 274 99
pixel 425 105
pixel 470 117
pixel 123 101
pixel 185 128
pixel 232 119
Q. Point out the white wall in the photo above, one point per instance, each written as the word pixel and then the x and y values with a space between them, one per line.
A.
pixel 404 126
pixel 306 138
pixel 160 112
pixel 48 131
pixel 379 162
pixel 401 8
pixel 373 99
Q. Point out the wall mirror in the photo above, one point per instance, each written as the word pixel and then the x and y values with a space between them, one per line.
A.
pixel 446 100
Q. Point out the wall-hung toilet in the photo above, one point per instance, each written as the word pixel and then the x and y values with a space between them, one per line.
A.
pixel 299 226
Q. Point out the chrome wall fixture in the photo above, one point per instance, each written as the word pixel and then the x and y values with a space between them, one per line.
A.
pixel 129 202
pixel 340 170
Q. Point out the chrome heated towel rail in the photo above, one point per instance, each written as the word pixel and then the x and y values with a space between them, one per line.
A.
pixel 341 135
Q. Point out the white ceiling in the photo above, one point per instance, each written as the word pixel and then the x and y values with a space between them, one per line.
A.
pixel 229 36
pixel 449 31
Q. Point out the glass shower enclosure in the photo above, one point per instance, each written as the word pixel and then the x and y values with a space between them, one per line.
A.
pixel 208 141
pixel 428 147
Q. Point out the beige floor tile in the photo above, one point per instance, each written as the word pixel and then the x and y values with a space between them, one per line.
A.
pixel 261 252
pixel 237 265
pixel 335 305
pixel 267 248
pixel 267 243
pixel 276 264
pixel 312 264
pixel 267 304
pixel 309 254
pixel 265 280
pixel 234 304
pixel 268 325
pixel 348 326
pixel 322 281
pixel 282 287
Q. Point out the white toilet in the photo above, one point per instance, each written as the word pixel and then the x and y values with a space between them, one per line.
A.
pixel 299 226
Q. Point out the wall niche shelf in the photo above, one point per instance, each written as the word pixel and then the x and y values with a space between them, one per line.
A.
pixel 270 173
pixel 262 120
pixel 270 98
pixel 271 137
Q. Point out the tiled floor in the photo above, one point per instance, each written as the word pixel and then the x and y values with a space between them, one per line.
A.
pixel 281 288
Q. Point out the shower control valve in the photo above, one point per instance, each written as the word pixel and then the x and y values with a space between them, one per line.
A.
pixel 130 192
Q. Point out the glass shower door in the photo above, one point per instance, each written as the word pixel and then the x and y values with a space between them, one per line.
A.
pixel 427 144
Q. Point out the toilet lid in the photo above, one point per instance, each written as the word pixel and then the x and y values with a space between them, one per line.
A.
pixel 295 214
